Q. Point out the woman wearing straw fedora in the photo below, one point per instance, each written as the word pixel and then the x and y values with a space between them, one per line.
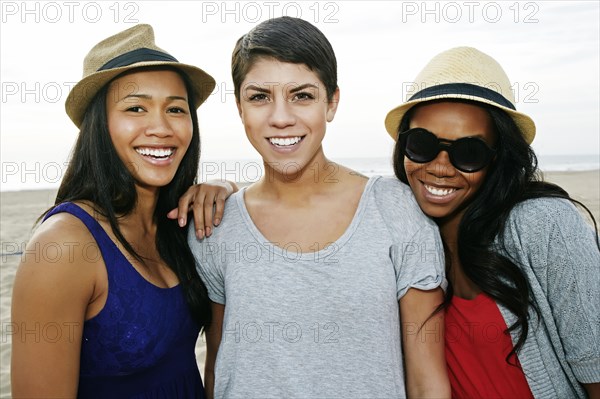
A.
pixel 110 282
pixel 523 306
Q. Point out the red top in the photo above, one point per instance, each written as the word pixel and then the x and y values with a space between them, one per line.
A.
pixel 476 350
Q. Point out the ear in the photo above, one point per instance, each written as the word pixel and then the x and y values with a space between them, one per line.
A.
pixel 333 104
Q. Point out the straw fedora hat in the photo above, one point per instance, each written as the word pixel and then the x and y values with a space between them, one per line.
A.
pixel 131 48
pixel 463 73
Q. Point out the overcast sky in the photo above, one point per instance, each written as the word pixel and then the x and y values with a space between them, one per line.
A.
pixel 550 50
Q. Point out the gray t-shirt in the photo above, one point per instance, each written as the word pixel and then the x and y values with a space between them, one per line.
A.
pixel 323 324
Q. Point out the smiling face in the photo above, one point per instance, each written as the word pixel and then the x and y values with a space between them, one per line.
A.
pixel 441 190
pixel 150 124
pixel 284 109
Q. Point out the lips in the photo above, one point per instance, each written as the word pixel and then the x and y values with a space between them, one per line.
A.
pixel 157 153
pixel 285 145
pixel 439 191
pixel 438 195
pixel 285 142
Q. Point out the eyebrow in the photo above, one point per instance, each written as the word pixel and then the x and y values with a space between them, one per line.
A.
pixel 268 90
pixel 149 97
pixel 302 87
pixel 258 88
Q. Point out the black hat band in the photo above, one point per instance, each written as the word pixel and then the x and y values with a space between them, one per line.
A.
pixel 463 89
pixel 137 55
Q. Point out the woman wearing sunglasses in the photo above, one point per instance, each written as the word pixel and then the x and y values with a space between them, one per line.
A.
pixel 523 306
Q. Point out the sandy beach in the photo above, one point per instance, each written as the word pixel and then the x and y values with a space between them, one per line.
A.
pixel 19 211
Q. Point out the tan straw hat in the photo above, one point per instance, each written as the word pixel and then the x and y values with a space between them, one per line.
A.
pixel 464 73
pixel 132 48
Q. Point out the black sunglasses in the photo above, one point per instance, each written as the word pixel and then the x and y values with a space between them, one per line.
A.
pixel 468 154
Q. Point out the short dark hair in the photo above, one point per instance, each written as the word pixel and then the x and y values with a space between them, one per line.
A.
pixel 285 39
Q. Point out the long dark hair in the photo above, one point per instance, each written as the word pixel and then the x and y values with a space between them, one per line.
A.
pixel 512 178
pixel 97 174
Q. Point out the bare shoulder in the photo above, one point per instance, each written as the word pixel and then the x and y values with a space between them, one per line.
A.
pixel 64 231
pixel 54 286
pixel 347 181
pixel 58 255
pixel 346 174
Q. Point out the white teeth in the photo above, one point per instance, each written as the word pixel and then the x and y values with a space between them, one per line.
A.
pixel 155 152
pixel 281 142
pixel 439 191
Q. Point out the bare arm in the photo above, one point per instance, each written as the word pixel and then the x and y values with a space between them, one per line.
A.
pixel 213 340
pixel 52 290
pixel 593 390
pixel 423 344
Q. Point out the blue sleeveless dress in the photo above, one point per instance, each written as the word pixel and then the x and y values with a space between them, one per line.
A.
pixel 141 344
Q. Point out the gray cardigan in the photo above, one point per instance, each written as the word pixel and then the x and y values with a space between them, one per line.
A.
pixel 556 249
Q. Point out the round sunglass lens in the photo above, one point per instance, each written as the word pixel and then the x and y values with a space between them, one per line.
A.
pixel 470 155
pixel 421 146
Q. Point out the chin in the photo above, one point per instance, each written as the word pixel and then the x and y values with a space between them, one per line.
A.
pixel 288 167
pixel 154 183
pixel 436 212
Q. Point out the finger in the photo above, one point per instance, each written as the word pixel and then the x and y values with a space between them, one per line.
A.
pixel 209 202
pixel 172 214
pixel 198 210
pixel 219 209
pixel 183 207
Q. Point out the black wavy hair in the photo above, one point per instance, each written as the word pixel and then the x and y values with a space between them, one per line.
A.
pixel 97 174
pixel 513 177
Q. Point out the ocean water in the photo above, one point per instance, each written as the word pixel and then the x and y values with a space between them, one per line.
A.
pixel 251 170
pixel 20 177
pixel 568 163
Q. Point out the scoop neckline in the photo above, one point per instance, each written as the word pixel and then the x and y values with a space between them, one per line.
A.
pixel 304 256
pixel 120 252
pixel 480 298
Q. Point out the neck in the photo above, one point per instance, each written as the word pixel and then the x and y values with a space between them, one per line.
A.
pixel 142 215
pixel 449 229
pixel 315 178
pixel 461 284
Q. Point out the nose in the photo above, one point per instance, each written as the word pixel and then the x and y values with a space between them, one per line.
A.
pixel 282 114
pixel 441 166
pixel 159 125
